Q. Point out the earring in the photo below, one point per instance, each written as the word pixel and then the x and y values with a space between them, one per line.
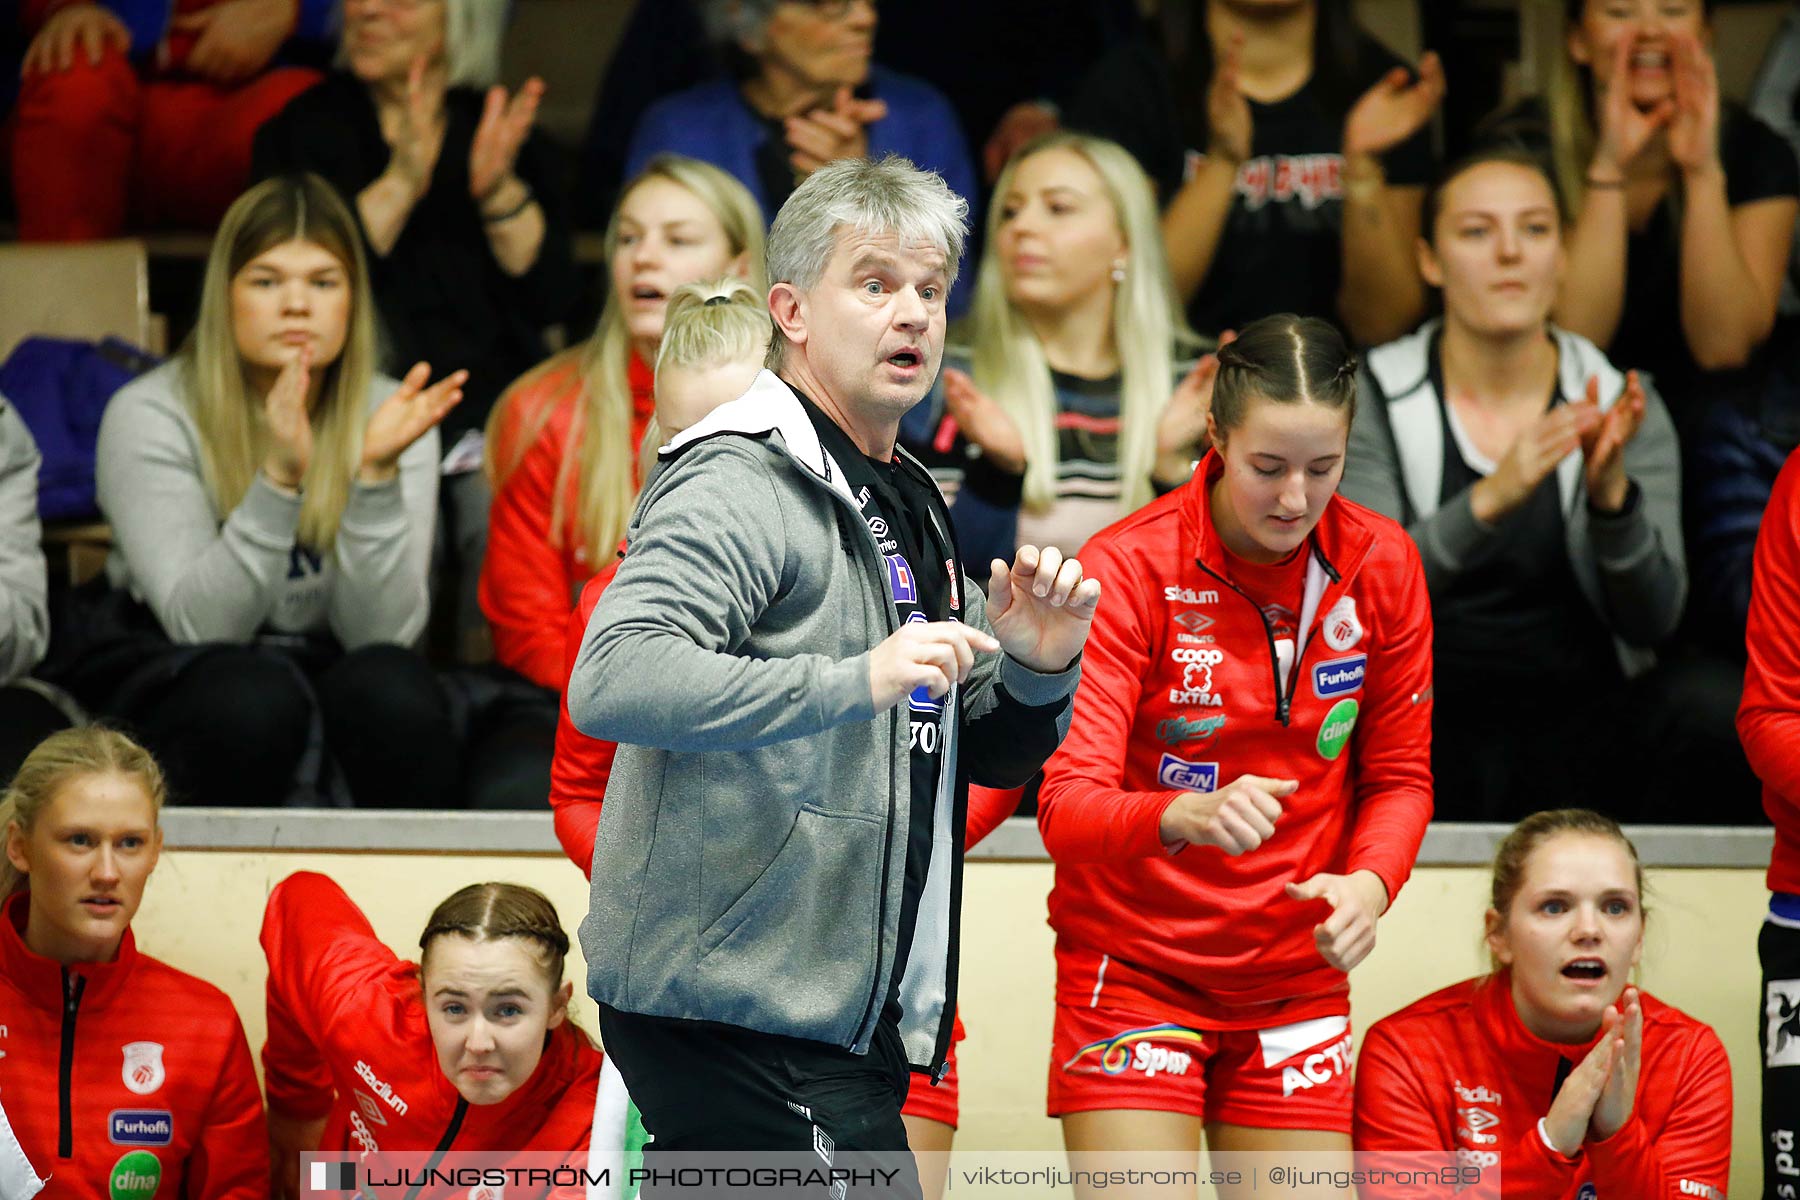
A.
pixel 1118 273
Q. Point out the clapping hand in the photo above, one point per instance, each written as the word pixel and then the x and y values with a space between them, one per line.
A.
pixel 287 417
pixel 1228 121
pixel 1181 430
pixel 1604 441
pixel 983 422
pixel 416 132
pixel 505 124
pixel 1041 608
pixel 1395 108
pixel 1618 1094
pixel 404 417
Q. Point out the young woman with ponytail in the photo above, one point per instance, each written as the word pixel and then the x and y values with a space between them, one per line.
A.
pixel 1246 781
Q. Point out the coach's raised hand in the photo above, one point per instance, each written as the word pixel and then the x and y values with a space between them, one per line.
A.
pixel 1041 607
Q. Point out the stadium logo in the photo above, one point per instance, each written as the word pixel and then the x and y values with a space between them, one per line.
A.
pixel 1181 595
pixel 367 1074
pixel 1188 776
pixel 1132 1050
pixel 1340 676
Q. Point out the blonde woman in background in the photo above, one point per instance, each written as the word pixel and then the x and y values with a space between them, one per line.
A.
pixel 1065 413
pixel 272 501
pixel 181 1108
pixel 1684 204
pixel 563 441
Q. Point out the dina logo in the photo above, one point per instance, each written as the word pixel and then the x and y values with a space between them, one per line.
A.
pixel 135 1176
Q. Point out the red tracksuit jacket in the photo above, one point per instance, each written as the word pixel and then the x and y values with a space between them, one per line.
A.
pixel 348 1041
pixel 1179 693
pixel 527 584
pixel 1459 1071
pixel 127 1078
pixel 1768 720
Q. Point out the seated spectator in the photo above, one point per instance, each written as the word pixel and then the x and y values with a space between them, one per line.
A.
pixel 271 499
pixel 1554 1073
pixel 80 823
pixel 803 94
pixel 139 113
pixel 1291 153
pixel 474 1039
pixel 1541 484
pixel 1775 101
pixel 27 717
pixel 463 221
pixel 1065 415
pixel 1684 203
pixel 563 442
pixel 1769 723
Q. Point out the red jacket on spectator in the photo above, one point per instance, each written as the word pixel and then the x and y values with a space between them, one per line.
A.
pixel 1459 1071
pixel 581 764
pixel 1178 693
pixel 1768 720
pixel 528 585
pixel 158 1084
pixel 348 1041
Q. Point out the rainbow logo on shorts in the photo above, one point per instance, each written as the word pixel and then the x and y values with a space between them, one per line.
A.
pixel 1115 1053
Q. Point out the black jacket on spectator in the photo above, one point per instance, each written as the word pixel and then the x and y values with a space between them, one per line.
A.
pixel 1281 250
pixel 442 296
pixel 1759 165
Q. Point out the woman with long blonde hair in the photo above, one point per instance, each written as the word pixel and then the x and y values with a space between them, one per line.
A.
pixel 1064 415
pixel 563 442
pixel 272 500
pixel 181 1106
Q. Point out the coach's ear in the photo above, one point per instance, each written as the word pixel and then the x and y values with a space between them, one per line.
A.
pixel 1497 943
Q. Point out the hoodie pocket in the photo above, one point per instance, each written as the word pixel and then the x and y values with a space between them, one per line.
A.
pixel 810 918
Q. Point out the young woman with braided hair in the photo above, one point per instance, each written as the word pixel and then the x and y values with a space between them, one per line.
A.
pixel 1246 780
pixel 470 1048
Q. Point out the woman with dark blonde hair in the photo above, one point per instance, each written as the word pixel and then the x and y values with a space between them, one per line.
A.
pixel 470 1048
pixel 1554 1075
pixel 563 442
pixel 272 500
pixel 180 1109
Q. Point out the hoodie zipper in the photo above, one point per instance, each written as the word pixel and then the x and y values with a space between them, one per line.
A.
pixel 437 1155
pixel 1284 690
pixel 73 986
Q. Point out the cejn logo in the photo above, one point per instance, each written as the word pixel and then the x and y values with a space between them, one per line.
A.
pixel 1188 776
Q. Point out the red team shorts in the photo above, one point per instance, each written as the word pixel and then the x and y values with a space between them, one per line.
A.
pixel 1287 1077
pixel 936 1103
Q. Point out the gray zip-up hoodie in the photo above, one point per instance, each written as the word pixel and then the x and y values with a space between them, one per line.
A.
pixel 24 601
pixel 1630 569
pixel 224 577
pixel 750 860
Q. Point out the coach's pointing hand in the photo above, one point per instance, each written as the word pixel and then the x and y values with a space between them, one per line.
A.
pixel 1041 607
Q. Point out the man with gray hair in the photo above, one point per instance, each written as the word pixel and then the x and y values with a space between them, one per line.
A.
pixel 803 683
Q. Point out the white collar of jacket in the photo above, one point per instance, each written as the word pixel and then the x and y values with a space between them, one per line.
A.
pixel 1402 371
pixel 770 406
